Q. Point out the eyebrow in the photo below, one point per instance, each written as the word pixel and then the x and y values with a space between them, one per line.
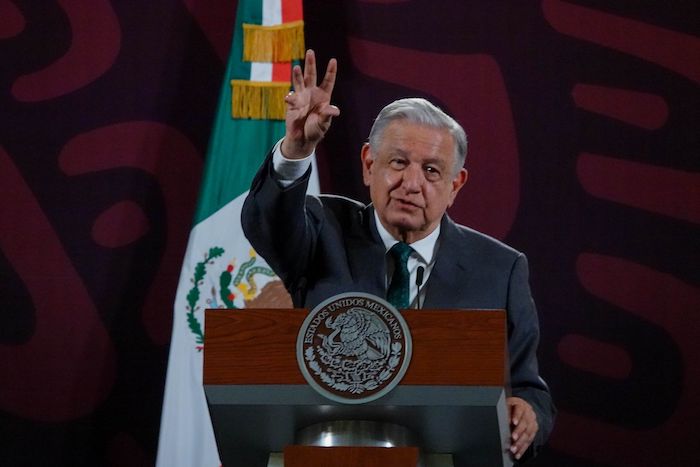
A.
pixel 402 153
pixel 435 161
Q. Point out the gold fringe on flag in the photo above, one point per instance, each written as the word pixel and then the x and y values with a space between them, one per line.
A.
pixel 280 43
pixel 259 100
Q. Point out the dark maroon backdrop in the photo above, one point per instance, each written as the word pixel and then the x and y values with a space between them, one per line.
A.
pixel 583 122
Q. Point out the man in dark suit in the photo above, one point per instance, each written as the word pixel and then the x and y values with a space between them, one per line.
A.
pixel 413 166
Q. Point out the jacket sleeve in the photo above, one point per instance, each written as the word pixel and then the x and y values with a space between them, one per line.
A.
pixel 523 339
pixel 277 223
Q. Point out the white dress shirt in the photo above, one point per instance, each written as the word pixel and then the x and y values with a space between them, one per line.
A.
pixel 423 255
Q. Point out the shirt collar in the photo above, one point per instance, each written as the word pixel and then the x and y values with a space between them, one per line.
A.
pixel 425 247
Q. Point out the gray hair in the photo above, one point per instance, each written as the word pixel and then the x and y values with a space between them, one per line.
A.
pixel 422 112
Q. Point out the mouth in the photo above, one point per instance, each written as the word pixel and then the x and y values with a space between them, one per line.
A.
pixel 406 204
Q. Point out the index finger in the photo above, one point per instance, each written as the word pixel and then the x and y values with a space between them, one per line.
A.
pixel 516 412
pixel 329 78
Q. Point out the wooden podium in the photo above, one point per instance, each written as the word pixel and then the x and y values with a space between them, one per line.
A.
pixel 452 395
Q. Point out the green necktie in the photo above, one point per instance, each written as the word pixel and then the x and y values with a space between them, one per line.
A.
pixel 398 294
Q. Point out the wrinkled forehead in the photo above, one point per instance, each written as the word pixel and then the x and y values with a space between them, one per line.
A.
pixel 409 139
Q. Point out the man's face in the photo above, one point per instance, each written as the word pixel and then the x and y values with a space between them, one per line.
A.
pixel 411 178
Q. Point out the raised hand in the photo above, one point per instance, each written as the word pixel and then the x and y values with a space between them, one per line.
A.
pixel 309 109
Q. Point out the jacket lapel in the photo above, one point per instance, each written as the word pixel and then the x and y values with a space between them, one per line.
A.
pixel 368 263
pixel 452 269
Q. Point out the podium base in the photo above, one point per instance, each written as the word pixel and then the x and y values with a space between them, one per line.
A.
pixel 276 459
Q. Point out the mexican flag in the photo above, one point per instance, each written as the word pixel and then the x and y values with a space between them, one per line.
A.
pixel 220 269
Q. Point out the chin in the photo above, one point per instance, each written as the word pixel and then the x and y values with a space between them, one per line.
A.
pixel 406 225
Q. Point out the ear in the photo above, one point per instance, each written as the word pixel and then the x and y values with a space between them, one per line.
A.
pixel 367 161
pixel 457 183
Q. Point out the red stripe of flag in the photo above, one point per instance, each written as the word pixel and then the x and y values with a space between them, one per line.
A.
pixel 291 11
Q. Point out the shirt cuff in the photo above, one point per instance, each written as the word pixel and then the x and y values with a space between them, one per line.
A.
pixel 288 171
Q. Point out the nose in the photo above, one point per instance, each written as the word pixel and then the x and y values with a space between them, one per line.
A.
pixel 413 178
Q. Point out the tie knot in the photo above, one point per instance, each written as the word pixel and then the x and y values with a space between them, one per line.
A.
pixel 400 252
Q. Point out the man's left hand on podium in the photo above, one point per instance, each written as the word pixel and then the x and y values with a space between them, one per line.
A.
pixel 523 423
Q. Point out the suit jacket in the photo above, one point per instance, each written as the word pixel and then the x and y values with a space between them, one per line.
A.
pixel 326 245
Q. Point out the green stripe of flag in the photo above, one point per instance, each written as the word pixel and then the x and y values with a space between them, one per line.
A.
pixel 237 147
